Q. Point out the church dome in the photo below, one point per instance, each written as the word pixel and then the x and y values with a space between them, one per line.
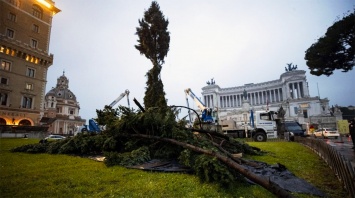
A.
pixel 61 91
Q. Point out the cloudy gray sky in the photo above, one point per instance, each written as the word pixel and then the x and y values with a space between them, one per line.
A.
pixel 233 41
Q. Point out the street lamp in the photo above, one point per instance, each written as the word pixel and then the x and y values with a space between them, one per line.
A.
pixel 245 125
pixel 288 107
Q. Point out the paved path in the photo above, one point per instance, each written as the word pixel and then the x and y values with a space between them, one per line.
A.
pixel 344 147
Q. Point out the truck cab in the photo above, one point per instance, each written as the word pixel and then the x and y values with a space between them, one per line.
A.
pixel 265 125
pixel 262 127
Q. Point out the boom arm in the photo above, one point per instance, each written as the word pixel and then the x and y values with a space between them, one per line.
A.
pixel 198 102
pixel 206 112
pixel 120 97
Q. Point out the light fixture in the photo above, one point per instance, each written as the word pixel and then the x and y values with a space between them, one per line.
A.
pixel 45 3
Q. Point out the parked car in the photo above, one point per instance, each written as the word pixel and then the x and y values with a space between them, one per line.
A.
pixel 294 127
pixel 326 133
pixel 52 138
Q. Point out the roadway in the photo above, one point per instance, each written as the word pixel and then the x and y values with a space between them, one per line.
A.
pixel 344 146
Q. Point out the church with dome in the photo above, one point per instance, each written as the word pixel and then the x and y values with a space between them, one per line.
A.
pixel 61 109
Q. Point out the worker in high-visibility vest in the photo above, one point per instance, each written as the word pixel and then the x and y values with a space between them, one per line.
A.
pixel 352 131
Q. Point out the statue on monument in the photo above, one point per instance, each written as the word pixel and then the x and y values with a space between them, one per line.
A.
pixel 290 67
pixel 245 94
pixel 212 82
pixel 281 113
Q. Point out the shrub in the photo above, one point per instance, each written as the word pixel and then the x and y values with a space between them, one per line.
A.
pixel 54 147
pixel 31 148
pixel 138 156
pixel 70 147
pixel 211 170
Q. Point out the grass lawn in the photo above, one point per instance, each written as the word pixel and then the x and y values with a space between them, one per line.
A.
pixel 304 163
pixel 45 175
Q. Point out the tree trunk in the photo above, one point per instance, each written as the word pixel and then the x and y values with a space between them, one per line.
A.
pixel 272 187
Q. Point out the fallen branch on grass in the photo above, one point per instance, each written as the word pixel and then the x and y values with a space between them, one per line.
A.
pixel 267 184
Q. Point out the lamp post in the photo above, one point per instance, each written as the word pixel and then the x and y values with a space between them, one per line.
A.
pixel 287 103
pixel 245 109
pixel 245 125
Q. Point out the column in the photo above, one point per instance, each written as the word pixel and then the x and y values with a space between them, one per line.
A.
pixel 277 95
pixel 295 91
pixel 284 91
pixel 233 99
pixel 291 90
pixel 305 88
pixel 208 101
pixel 225 101
pixel 265 97
pixel 301 89
pixel 254 98
pixel 211 100
pixel 272 95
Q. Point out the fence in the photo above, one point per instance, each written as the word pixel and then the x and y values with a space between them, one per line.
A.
pixel 16 131
pixel 28 134
pixel 338 163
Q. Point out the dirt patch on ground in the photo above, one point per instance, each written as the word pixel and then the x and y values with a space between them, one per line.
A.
pixel 98 158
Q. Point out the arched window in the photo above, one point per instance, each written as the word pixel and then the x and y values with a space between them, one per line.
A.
pixel 2 121
pixel 24 123
pixel 37 11
pixel 16 3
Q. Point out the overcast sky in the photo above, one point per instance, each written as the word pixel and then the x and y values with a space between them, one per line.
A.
pixel 233 41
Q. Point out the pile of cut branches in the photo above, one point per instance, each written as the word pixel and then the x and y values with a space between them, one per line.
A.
pixel 133 137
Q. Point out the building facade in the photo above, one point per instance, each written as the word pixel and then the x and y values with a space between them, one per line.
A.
pixel 289 91
pixel 61 109
pixel 25 30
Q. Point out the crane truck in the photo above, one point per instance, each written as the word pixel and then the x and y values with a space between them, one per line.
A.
pixel 93 127
pixel 206 112
pixel 263 122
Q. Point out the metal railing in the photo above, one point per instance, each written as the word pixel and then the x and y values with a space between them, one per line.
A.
pixel 341 166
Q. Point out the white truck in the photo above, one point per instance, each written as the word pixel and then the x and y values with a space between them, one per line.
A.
pixel 264 127
pixel 263 122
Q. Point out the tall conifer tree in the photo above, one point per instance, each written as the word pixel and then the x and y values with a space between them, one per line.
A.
pixel 153 42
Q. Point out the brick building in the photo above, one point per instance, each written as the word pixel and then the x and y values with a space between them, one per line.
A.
pixel 25 30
